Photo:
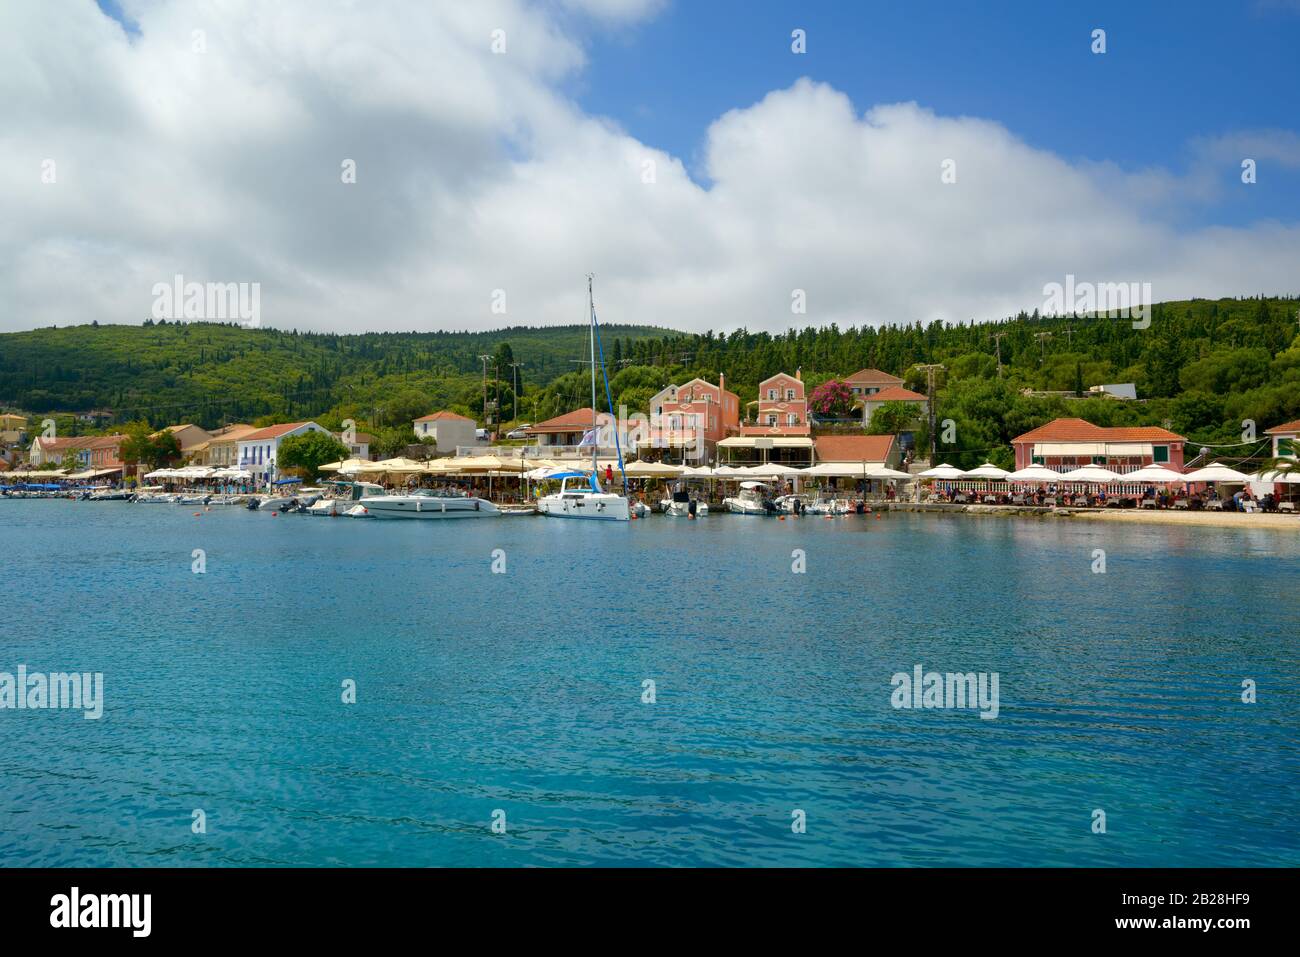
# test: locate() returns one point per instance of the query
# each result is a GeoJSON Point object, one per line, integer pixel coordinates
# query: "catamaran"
{"type": "Point", "coordinates": [580, 494]}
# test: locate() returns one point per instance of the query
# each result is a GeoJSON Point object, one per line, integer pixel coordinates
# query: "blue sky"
{"type": "Point", "coordinates": [1172, 73]}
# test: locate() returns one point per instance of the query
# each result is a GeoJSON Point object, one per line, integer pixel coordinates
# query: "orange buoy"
{"type": "Point", "coordinates": [274, 514]}
{"type": "Point", "coordinates": [197, 514]}
{"type": "Point", "coordinates": [783, 518]}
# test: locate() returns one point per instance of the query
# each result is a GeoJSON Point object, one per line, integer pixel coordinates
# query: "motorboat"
{"type": "Point", "coordinates": [829, 506]}
{"type": "Point", "coordinates": [754, 498]}
{"type": "Point", "coordinates": [640, 509]}
{"type": "Point", "coordinates": [429, 503]}
{"type": "Point", "coordinates": [111, 495]}
{"type": "Point", "coordinates": [343, 497]}
{"type": "Point", "coordinates": [681, 505]}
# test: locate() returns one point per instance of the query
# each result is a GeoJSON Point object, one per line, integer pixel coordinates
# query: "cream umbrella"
{"type": "Point", "coordinates": [653, 470]}
{"type": "Point", "coordinates": [834, 470]}
{"type": "Point", "coordinates": [1035, 474]}
{"type": "Point", "coordinates": [884, 472]}
{"type": "Point", "coordinates": [1217, 472]}
{"type": "Point", "coordinates": [1091, 475]}
{"type": "Point", "coordinates": [1153, 475]}
{"type": "Point", "coordinates": [944, 471]}
{"type": "Point", "coordinates": [986, 471]}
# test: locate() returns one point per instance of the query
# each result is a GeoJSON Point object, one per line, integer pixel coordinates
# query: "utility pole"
{"type": "Point", "coordinates": [1042, 338]}
{"type": "Point", "coordinates": [485, 408]}
{"type": "Point", "coordinates": [997, 342]}
{"type": "Point", "coordinates": [514, 368]}
{"type": "Point", "coordinates": [929, 377]}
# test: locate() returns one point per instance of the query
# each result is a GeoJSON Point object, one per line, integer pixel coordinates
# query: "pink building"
{"type": "Point", "coordinates": [694, 417]}
{"type": "Point", "coordinates": [1065, 444]}
{"type": "Point", "coordinates": [782, 407]}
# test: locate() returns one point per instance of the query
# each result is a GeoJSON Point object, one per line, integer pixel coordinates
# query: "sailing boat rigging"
{"type": "Point", "coordinates": [580, 495]}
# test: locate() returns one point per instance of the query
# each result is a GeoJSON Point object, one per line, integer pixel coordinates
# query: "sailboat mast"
{"type": "Point", "coordinates": [595, 435]}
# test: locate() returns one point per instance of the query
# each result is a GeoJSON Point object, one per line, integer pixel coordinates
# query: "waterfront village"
{"type": "Point", "coordinates": [697, 442]}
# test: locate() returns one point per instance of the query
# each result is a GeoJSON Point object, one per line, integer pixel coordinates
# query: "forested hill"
{"type": "Point", "coordinates": [1202, 367]}
{"type": "Point", "coordinates": [209, 373]}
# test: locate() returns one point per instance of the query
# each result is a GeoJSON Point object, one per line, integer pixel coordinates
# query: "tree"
{"type": "Point", "coordinates": [149, 448]}
{"type": "Point", "coordinates": [1078, 379]}
{"type": "Point", "coordinates": [390, 443]}
{"type": "Point", "coordinates": [309, 451]}
{"type": "Point", "coordinates": [893, 417]}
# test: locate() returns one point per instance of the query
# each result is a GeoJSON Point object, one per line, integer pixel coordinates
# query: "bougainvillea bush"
{"type": "Point", "coordinates": [833, 399]}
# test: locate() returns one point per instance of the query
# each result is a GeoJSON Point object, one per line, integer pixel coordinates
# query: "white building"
{"type": "Point", "coordinates": [257, 450]}
{"type": "Point", "coordinates": [448, 429]}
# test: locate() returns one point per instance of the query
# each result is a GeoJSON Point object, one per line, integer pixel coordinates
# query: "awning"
{"type": "Point", "coordinates": [775, 441]}
{"type": "Point", "coordinates": [1117, 449]}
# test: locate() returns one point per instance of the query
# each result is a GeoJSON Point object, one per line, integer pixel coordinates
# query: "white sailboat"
{"type": "Point", "coordinates": [581, 496]}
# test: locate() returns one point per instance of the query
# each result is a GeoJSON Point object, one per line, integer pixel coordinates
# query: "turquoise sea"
{"type": "Point", "coordinates": [522, 692]}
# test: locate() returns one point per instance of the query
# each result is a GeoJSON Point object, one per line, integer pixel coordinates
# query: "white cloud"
{"type": "Point", "coordinates": [474, 174]}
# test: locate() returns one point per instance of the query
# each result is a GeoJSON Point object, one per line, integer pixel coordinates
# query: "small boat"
{"type": "Point", "coordinates": [193, 498]}
{"type": "Point", "coordinates": [641, 509]}
{"type": "Point", "coordinates": [111, 495]}
{"type": "Point", "coordinates": [681, 505]}
{"type": "Point", "coordinates": [155, 498]}
{"type": "Point", "coordinates": [429, 504]}
{"type": "Point", "coordinates": [754, 498]}
{"type": "Point", "coordinates": [358, 511]}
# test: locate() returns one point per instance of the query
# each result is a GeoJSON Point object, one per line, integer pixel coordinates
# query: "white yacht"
{"type": "Point", "coordinates": [580, 495]}
{"type": "Point", "coordinates": [430, 504]}
{"type": "Point", "coordinates": [754, 498]}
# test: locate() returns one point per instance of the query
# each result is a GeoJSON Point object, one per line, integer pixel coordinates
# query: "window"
{"type": "Point", "coordinates": [792, 419]}
{"type": "Point", "coordinates": [789, 395]}
{"type": "Point", "coordinates": [771, 395]}
{"type": "Point", "coordinates": [1159, 453]}
{"type": "Point", "coordinates": [771, 419]}
{"type": "Point", "coordinates": [1099, 460]}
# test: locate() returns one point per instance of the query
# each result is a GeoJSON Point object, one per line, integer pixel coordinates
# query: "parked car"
{"type": "Point", "coordinates": [519, 432]}
{"type": "Point", "coordinates": [481, 434]}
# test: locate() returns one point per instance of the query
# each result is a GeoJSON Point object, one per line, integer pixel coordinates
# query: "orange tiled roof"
{"type": "Point", "coordinates": [1078, 430]}
{"type": "Point", "coordinates": [574, 421]}
{"type": "Point", "coordinates": [443, 416]}
{"type": "Point", "coordinates": [853, 448]}
{"type": "Point", "coordinates": [273, 432]}
{"type": "Point", "coordinates": [873, 375]}
{"type": "Point", "coordinates": [1286, 428]}
{"type": "Point", "coordinates": [895, 393]}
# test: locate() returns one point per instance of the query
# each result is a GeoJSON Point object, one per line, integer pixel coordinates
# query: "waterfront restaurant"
{"type": "Point", "coordinates": [1065, 444]}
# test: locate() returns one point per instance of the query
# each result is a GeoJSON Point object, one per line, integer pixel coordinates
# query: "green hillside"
{"type": "Point", "coordinates": [1203, 367]}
